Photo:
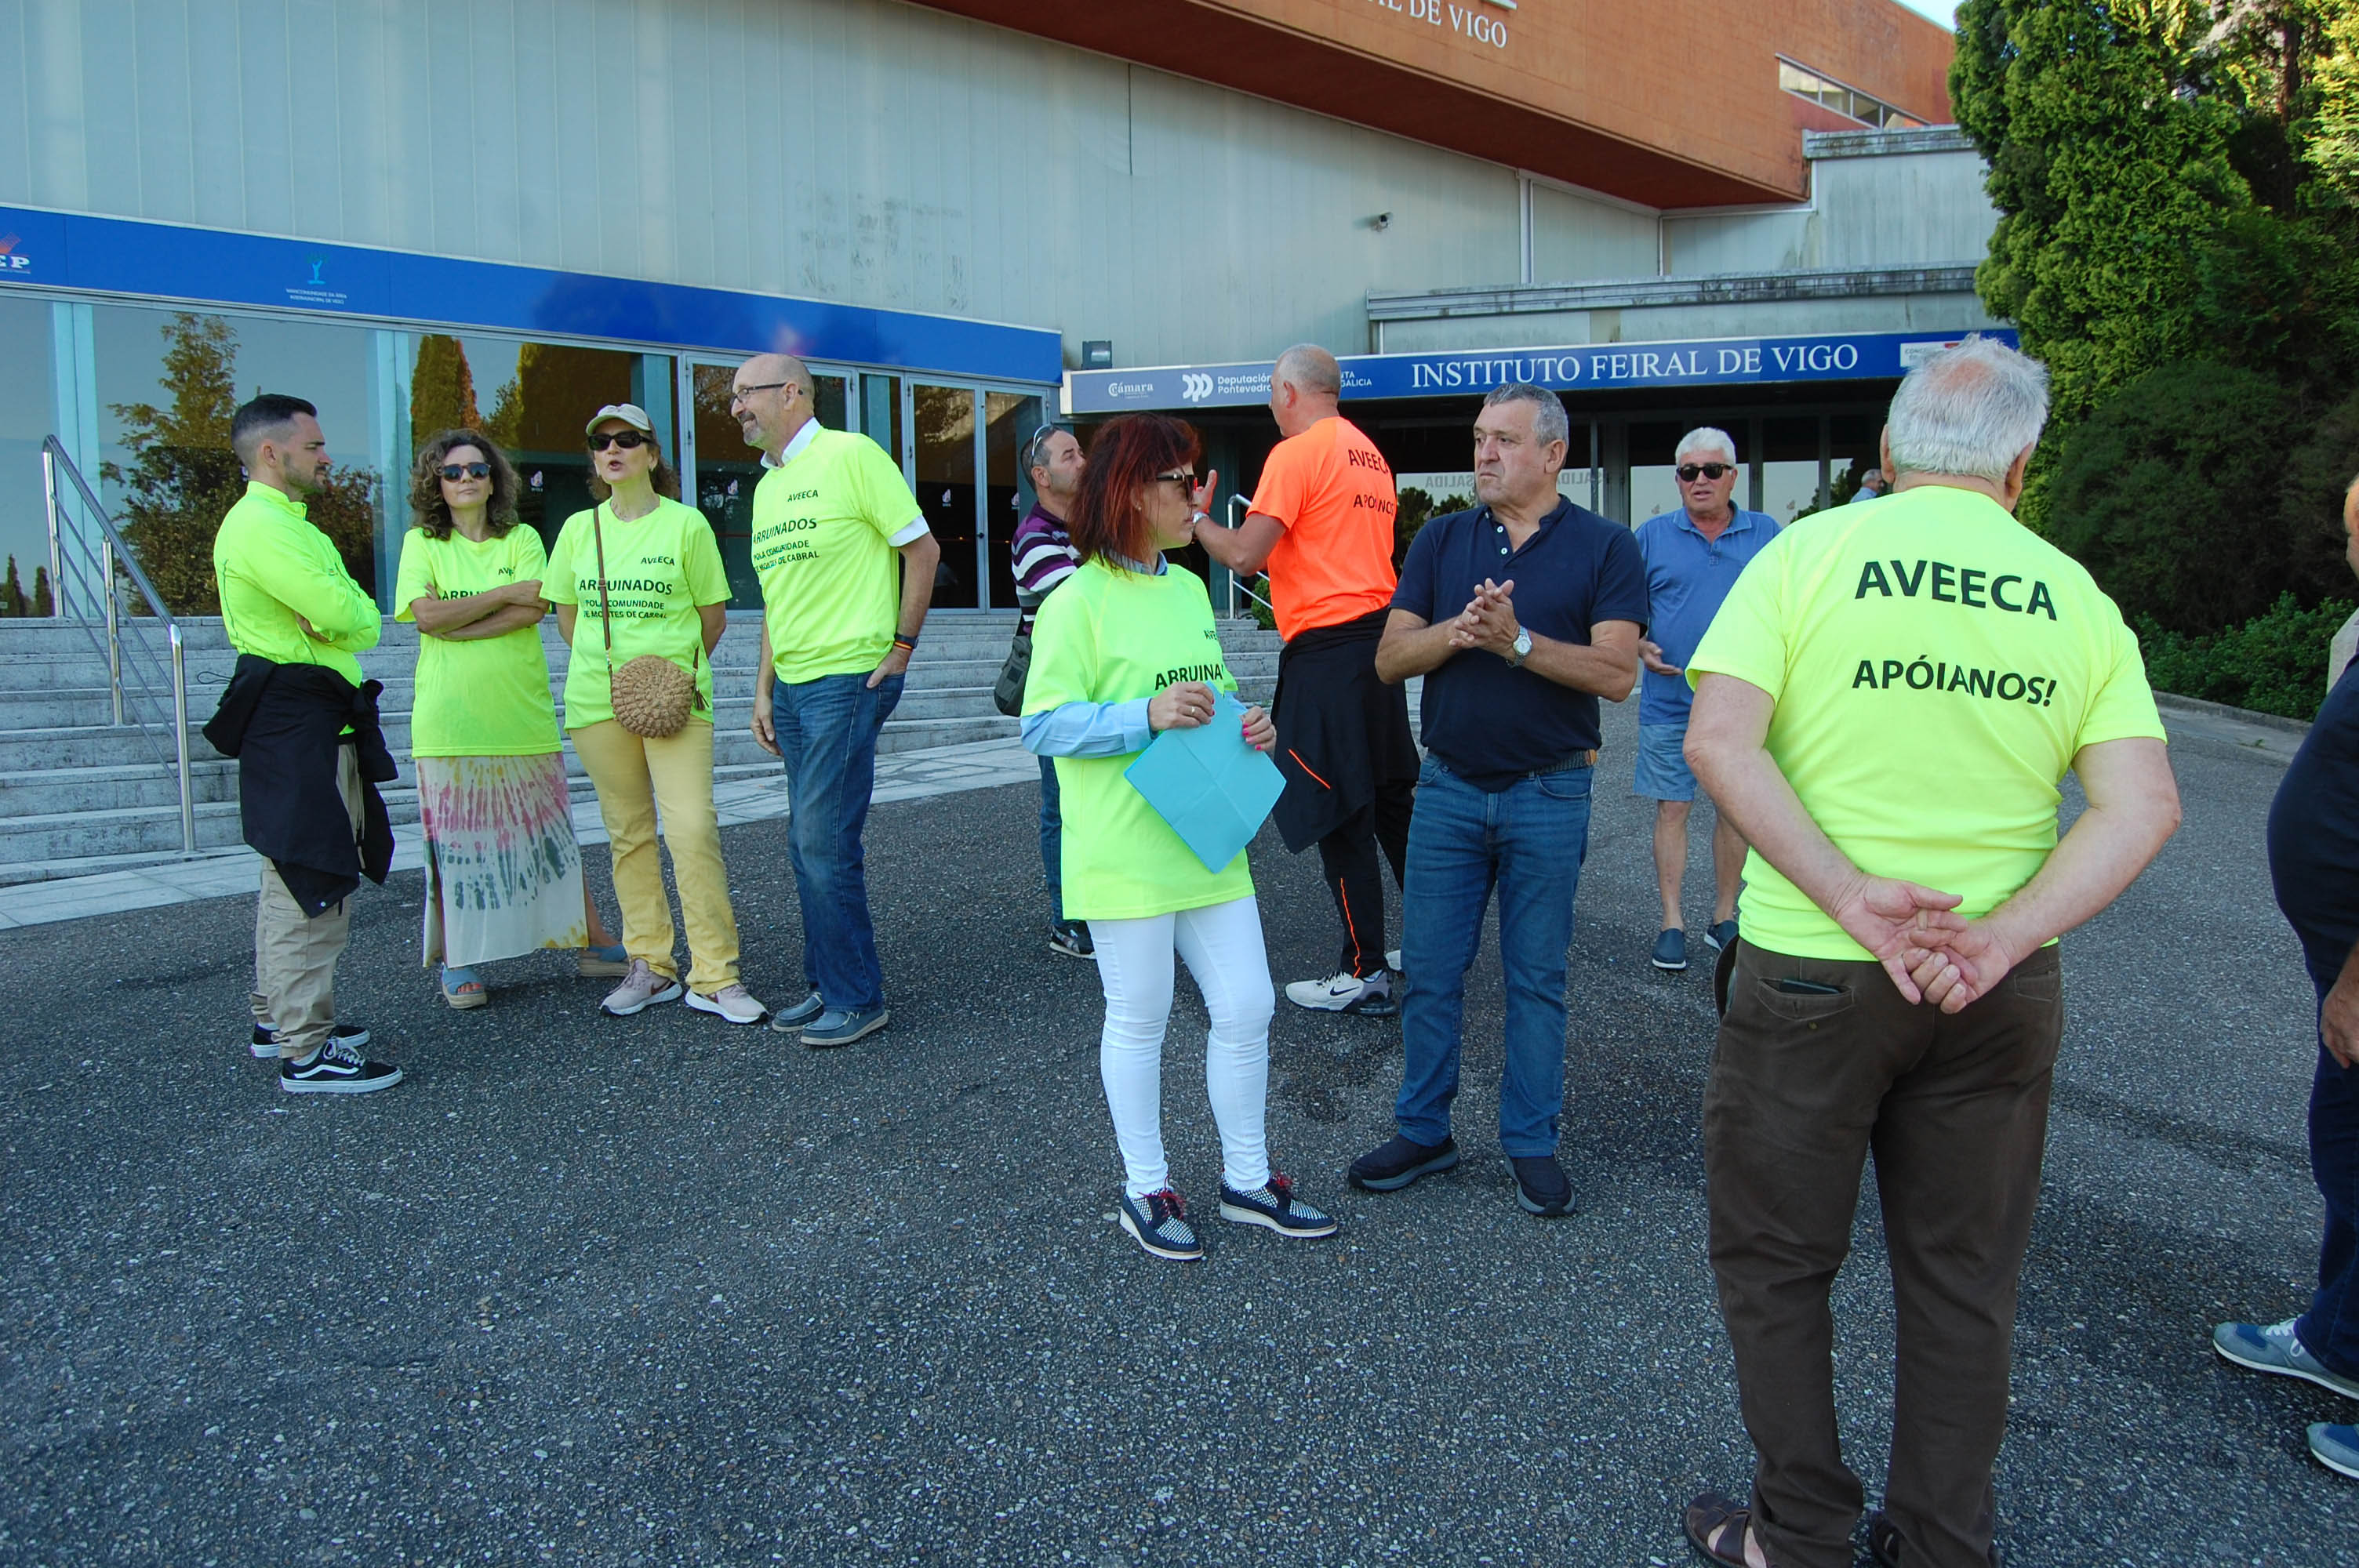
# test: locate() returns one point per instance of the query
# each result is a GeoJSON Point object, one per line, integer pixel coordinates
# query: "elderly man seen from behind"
{"type": "Point", "coordinates": [1885, 705]}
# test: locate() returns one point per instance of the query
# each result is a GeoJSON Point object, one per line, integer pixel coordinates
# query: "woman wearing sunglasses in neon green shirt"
{"type": "Point", "coordinates": [503, 874]}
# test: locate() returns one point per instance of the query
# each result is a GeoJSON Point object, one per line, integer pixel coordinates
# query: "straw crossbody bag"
{"type": "Point", "coordinates": [652, 696]}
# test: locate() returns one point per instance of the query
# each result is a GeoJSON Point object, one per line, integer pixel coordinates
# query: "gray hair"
{"type": "Point", "coordinates": [1311, 368]}
{"type": "Point", "coordinates": [1969, 411]}
{"type": "Point", "coordinates": [1705, 438]}
{"type": "Point", "coordinates": [1548, 422]}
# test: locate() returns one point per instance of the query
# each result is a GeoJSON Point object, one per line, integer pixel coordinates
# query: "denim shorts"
{"type": "Point", "coordinates": [1663, 772]}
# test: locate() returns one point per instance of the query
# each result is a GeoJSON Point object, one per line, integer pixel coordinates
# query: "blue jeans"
{"type": "Point", "coordinates": [827, 732]}
{"type": "Point", "coordinates": [1527, 841]}
{"type": "Point", "coordinates": [2330, 1329]}
{"type": "Point", "coordinates": [1052, 833]}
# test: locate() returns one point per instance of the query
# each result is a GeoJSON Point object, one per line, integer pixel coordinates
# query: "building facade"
{"type": "Point", "coordinates": [419, 211]}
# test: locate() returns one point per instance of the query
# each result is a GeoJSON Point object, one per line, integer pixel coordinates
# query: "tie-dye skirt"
{"type": "Point", "coordinates": [503, 874]}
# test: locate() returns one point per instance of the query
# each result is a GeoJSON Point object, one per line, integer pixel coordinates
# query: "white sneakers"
{"type": "Point", "coordinates": [1370, 997]}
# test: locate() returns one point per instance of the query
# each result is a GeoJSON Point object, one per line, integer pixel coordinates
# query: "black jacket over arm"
{"type": "Point", "coordinates": [283, 724]}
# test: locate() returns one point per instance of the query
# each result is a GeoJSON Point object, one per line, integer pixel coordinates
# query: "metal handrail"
{"type": "Point", "coordinates": [80, 578]}
{"type": "Point", "coordinates": [1235, 588]}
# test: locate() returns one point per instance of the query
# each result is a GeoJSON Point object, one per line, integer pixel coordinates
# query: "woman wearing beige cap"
{"type": "Point", "coordinates": [639, 574]}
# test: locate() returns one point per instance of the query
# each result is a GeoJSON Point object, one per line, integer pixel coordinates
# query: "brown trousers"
{"type": "Point", "coordinates": [294, 954]}
{"type": "Point", "coordinates": [1955, 1109]}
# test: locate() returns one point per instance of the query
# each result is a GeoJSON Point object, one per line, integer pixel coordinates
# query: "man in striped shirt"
{"type": "Point", "coordinates": [1044, 557]}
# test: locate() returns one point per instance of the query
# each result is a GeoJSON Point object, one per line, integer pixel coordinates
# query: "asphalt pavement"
{"type": "Point", "coordinates": [660, 1291]}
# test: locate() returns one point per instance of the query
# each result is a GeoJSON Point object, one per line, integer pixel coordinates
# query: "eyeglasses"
{"type": "Point", "coordinates": [743, 393]}
{"type": "Point", "coordinates": [1183, 478]}
{"type": "Point", "coordinates": [454, 473]}
{"type": "Point", "coordinates": [626, 439]}
{"type": "Point", "coordinates": [1690, 472]}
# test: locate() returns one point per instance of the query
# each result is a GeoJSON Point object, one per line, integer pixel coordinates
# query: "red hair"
{"type": "Point", "coordinates": [1129, 451]}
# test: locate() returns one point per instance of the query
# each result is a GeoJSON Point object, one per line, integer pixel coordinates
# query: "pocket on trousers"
{"type": "Point", "coordinates": [888, 695]}
{"type": "Point", "coordinates": [2041, 986]}
{"type": "Point", "coordinates": [1789, 1007]}
{"type": "Point", "coordinates": [1568, 784]}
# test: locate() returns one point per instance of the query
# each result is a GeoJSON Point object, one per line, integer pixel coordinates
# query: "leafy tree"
{"type": "Point", "coordinates": [442, 389]}
{"type": "Point", "coordinates": [42, 605]}
{"type": "Point", "coordinates": [12, 591]}
{"type": "Point", "coordinates": [2171, 495]}
{"type": "Point", "coordinates": [2178, 184]}
{"type": "Point", "coordinates": [183, 476]}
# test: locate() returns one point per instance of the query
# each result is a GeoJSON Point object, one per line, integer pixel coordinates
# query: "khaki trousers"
{"type": "Point", "coordinates": [634, 777]}
{"type": "Point", "coordinates": [294, 954]}
{"type": "Point", "coordinates": [1955, 1109]}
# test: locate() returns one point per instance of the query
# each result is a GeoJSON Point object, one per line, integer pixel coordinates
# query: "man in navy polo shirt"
{"type": "Point", "coordinates": [1693, 554]}
{"type": "Point", "coordinates": [1520, 614]}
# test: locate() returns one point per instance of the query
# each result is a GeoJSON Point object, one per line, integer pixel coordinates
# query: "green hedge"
{"type": "Point", "coordinates": [2273, 663]}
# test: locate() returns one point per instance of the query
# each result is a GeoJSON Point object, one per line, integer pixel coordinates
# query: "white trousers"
{"type": "Point", "coordinates": [1223, 945]}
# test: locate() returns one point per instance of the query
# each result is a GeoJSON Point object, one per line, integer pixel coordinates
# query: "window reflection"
{"type": "Point", "coordinates": [945, 487]}
{"type": "Point", "coordinates": [27, 415]}
{"type": "Point", "coordinates": [167, 385]}
{"type": "Point", "coordinates": [1009, 419]}
{"type": "Point", "coordinates": [533, 399]}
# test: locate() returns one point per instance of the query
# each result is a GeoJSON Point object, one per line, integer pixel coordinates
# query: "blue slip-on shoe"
{"type": "Point", "coordinates": [1722, 933]}
{"type": "Point", "coordinates": [1541, 1187]}
{"type": "Point", "coordinates": [1670, 950]}
{"type": "Point", "coordinates": [2274, 1348]}
{"type": "Point", "coordinates": [1400, 1161]}
{"type": "Point", "coordinates": [791, 1020]}
{"type": "Point", "coordinates": [841, 1026]}
{"type": "Point", "coordinates": [2336, 1447]}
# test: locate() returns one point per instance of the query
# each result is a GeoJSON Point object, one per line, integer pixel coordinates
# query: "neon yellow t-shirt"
{"type": "Point", "coordinates": [482, 697]}
{"type": "Point", "coordinates": [823, 524]}
{"type": "Point", "coordinates": [272, 565]}
{"type": "Point", "coordinates": [659, 567]}
{"type": "Point", "coordinates": [1109, 635]}
{"type": "Point", "coordinates": [1936, 666]}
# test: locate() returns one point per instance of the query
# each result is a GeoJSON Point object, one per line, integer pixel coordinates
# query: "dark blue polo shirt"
{"type": "Point", "coordinates": [1490, 723]}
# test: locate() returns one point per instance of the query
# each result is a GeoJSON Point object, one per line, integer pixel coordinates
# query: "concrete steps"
{"type": "Point", "coordinates": [80, 796]}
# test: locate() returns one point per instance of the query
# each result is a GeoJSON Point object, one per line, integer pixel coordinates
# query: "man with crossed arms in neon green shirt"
{"type": "Point", "coordinates": [827, 518]}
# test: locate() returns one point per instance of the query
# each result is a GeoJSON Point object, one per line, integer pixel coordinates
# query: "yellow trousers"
{"type": "Point", "coordinates": [636, 777]}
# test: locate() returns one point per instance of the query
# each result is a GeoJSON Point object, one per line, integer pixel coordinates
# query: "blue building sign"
{"type": "Point", "coordinates": [1702, 362]}
{"type": "Point", "coordinates": [214, 267]}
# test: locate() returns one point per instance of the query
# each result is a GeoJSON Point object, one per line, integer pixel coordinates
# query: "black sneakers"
{"type": "Point", "coordinates": [1274, 1207]}
{"type": "Point", "coordinates": [1399, 1163]}
{"type": "Point", "coordinates": [1071, 938]}
{"type": "Point", "coordinates": [265, 1038]}
{"type": "Point", "coordinates": [1540, 1186]}
{"type": "Point", "coordinates": [1158, 1222]}
{"type": "Point", "coordinates": [335, 1069]}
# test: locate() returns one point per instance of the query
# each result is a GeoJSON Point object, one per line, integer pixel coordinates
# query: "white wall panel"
{"type": "Point", "coordinates": [855, 150]}
{"type": "Point", "coordinates": [1578, 241]}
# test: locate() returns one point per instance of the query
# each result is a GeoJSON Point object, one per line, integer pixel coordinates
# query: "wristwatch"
{"type": "Point", "coordinates": [1198, 519]}
{"type": "Point", "coordinates": [1523, 649]}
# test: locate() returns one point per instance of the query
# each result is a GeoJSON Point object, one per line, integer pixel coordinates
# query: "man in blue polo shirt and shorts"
{"type": "Point", "coordinates": [1520, 614]}
{"type": "Point", "coordinates": [1693, 556]}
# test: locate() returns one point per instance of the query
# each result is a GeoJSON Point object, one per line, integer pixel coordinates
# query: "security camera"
{"type": "Point", "coordinates": [1381, 222]}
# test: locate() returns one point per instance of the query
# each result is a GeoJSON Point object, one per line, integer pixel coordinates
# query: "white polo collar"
{"type": "Point", "coordinates": [802, 438]}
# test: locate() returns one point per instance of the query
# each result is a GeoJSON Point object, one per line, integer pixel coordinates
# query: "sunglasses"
{"type": "Point", "coordinates": [1690, 472]}
{"type": "Point", "coordinates": [1038, 444]}
{"type": "Point", "coordinates": [626, 439]}
{"type": "Point", "coordinates": [1183, 478]}
{"type": "Point", "coordinates": [454, 473]}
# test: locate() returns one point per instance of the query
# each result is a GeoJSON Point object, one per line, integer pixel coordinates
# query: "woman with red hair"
{"type": "Point", "coordinates": [1125, 649]}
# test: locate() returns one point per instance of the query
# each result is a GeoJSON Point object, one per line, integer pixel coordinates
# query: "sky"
{"type": "Point", "coordinates": [1945, 14]}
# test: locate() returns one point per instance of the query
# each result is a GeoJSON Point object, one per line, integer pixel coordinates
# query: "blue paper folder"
{"type": "Point", "coordinates": [1212, 788]}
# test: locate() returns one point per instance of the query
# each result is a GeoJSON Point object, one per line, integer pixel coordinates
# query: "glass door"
{"type": "Point", "coordinates": [944, 472]}
{"type": "Point", "coordinates": [1009, 418]}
